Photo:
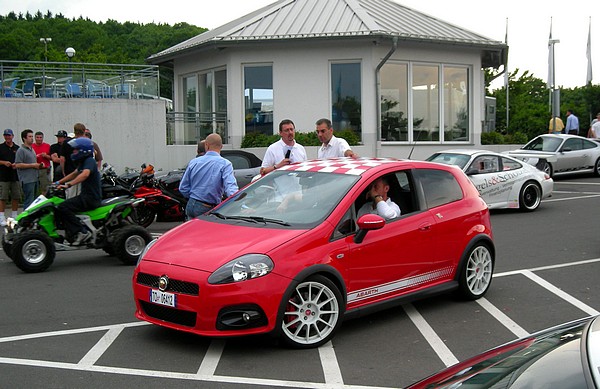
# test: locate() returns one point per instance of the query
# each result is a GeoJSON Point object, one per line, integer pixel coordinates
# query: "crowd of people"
{"type": "Point", "coordinates": [210, 176]}
{"type": "Point", "coordinates": [73, 163]}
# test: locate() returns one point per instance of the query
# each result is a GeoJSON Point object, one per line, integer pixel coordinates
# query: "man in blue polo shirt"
{"type": "Point", "coordinates": [207, 178]}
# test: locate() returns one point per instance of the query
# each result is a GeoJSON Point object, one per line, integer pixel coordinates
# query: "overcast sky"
{"type": "Point", "coordinates": [528, 24]}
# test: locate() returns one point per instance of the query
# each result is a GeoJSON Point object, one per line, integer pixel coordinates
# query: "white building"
{"type": "Point", "coordinates": [391, 74]}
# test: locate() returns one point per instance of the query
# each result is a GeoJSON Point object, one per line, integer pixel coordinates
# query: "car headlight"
{"type": "Point", "coordinates": [150, 244]}
{"type": "Point", "coordinates": [244, 268]}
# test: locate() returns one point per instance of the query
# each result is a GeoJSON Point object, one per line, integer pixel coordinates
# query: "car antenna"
{"type": "Point", "coordinates": [414, 144]}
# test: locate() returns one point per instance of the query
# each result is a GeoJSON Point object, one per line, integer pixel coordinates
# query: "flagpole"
{"type": "Point", "coordinates": [506, 76]}
{"type": "Point", "coordinates": [551, 76]}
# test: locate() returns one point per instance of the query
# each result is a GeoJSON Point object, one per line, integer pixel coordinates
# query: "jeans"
{"type": "Point", "coordinates": [66, 213]}
{"type": "Point", "coordinates": [29, 191]}
{"type": "Point", "coordinates": [195, 208]}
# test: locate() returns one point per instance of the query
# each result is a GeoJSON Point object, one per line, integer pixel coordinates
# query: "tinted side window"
{"type": "Point", "coordinates": [238, 161]}
{"type": "Point", "coordinates": [589, 144]}
{"type": "Point", "coordinates": [573, 144]}
{"type": "Point", "coordinates": [439, 187]}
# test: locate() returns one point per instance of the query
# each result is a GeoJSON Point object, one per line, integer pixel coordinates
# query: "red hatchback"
{"type": "Point", "coordinates": [293, 253]}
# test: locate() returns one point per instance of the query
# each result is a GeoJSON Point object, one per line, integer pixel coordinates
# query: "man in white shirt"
{"type": "Point", "coordinates": [285, 151]}
{"type": "Point", "coordinates": [595, 130]}
{"type": "Point", "coordinates": [380, 203]}
{"type": "Point", "coordinates": [332, 147]}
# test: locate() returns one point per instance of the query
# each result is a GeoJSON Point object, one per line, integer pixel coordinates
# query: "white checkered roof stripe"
{"type": "Point", "coordinates": [353, 166]}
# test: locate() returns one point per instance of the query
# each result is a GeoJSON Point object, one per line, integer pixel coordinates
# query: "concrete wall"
{"type": "Point", "coordinates": [129, 132]}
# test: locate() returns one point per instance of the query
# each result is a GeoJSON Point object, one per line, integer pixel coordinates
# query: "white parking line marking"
{"type": "Point", "coordinates": [331, 368]}
{"type": "Point", "coordinates": [182, 376]}
{"type": "Point", "coordinates": [502, 318]}
{"type": "Point", "coordinates": [211, 359]}
{"type": "Point", "coordinates": [72, 332]}
{"type": "Point", "coordinates": [100, 348]}
{"type": "Point", "coordinates": [572, 198]}
{"type": "Point", "coordinates": [575, 183]}
{"type": "Point", "coordinates": [430, 335]}
{"type": "Point", "coordinates": [548, 267]}
{"type": "Point", "coordinates": [560, 293]}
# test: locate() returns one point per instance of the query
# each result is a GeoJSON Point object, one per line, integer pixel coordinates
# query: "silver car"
{"type": "Point", "coordinates": [555, 154]}
{"type": "Point", "coordinates": [502, 181]}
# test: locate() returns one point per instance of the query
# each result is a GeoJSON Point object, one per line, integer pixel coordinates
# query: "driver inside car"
{"type": "Point", "coordinates": [86, 174]}
{"type": "Point", "coordinates": [379, 203]}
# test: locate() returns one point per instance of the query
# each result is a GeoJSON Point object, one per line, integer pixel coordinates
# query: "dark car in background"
{"type": "Point", "coordinates": [245, 166]}
{"type": "Point", "coordinates": [566, 356]}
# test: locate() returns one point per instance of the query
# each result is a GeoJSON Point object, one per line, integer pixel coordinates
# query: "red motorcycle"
{"type": "Point", "coordinates": [160, 202]}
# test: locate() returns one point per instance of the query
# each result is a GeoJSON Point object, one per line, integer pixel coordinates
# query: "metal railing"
{"type": "Point", "coordinates": [29, 79]}
{"type": "Point", "coordinates": [186, 128]}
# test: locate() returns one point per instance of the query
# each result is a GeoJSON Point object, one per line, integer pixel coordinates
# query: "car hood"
{"type": "Point", "coordinates": [205, 245]}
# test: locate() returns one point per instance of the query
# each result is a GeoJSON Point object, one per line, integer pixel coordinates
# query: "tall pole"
{"type": "Point", "coordinates": [506, 78]}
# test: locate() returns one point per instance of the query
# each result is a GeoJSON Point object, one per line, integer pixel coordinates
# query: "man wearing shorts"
{"type": "Point", "coordinates": [9, 181]}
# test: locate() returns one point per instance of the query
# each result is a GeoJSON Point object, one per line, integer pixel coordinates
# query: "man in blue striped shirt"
{"type": "Point", "coordinates": [206, 179]}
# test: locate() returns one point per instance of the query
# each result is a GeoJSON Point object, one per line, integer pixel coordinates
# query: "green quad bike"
{"type": "Point", "coordinates": [32, 239]}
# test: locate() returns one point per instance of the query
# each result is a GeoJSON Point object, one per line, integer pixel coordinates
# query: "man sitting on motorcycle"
{"type": "Point", "coordinates": [88, 176]}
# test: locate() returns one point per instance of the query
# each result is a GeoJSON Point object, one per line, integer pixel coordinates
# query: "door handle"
{"type": "Point", "coordinates": [425, 227]}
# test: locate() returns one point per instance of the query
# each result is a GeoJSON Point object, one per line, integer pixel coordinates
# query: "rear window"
{"type": "Point", "coordinates": [439, 186]}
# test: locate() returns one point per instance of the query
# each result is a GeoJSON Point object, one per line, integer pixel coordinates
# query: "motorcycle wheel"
{"type": "Point", "coordinates": [129, 243]}
{"type": "Point", "coordinates": [143, 216]}
{"type": "Point", "coordinates": [33, 252]}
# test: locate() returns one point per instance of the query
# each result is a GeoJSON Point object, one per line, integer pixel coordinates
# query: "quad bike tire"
{"type": "Point", "coordinates": [129, 242]}
{"type": "Point", "coordinates": [33, 251]}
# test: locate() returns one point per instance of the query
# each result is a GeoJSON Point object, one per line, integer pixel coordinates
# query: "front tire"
{"type": "Point", "coordinates": [129, 243]}
{"type": "Point", "coordinates": [545, 166]}
{"type": "Point", "coordinates": [530, 196]}
{"type": "Point", "coordinates": [143, 215]}
{"type": "Point", "coordinates": [476, 272]}
{"type": "Point", "coordinates": [33, 252]}
{"type": "Point", "coordinates": [312, 313]}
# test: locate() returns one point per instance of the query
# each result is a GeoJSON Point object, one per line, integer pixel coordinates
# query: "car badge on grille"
{"type": "Point", "coordinates": [163, 283]}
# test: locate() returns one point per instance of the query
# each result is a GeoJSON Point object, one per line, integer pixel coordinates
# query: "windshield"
{"type": "Point", "coordinates": [459, 160]}
{"type": "Point", "coordinates": [543, 144]}
{"type": "Point", "coordinates": [294, 198]}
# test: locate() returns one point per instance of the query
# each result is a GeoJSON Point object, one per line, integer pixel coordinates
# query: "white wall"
{"type": "Point", "coordinates": [129, 132]}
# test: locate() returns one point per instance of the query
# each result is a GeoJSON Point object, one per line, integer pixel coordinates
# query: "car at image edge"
{"type": "Point", "coordinates": [502, 181]}
{"type": "Point", "coordinates": [287, 255]}
{"type": "Point", "coordinates": [566, 356]}
{"type": "Point", "coordinates": [560, 153]}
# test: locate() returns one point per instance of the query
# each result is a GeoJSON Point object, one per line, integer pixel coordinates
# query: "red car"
{"type": "Point", "coordinates": [288, 255]}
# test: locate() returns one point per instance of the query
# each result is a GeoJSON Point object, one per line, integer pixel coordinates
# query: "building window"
{"type": "Point", "coordinates": [426, 97]}
{"type": "Point", "coordinates": [456, 104]}
{"type": "Point", "coordinates": [346, 97]}
{"type": "Point", "coordinates": [204, 109]}
{"type": "Point", "coordinates": [258, 99]}
{"type": "Point", "coordinates": [394, 102]}
{"type": "Point", "coordinates": [419, 113]}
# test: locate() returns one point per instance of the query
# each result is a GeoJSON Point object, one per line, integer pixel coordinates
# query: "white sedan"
{"type": "Point", "coordinates": [502, 181]}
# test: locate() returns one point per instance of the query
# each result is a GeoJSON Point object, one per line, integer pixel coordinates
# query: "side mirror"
{"type": "Point", "coordinates": [367, 223]}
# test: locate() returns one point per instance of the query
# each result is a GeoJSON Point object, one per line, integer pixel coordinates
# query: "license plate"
{"type": "Point", "coordinates": [163, 298]}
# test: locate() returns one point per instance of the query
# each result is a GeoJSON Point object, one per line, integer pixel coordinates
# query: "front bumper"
{"type": "Point", "coordinates": [243, 308]}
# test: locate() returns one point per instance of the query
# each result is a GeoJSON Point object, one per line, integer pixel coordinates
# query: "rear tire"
{"type": "Point", "coordinates": [530, 196]}
{"type": "Point", "coordinates": [33, 252]}
{"type": "Point", "coordinates": [129, 243]}
{"type": "Point", "coordinates": [597, 168]}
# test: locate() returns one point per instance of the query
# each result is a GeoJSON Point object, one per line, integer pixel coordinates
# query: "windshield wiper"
{"type": "Point", "coordinates": [252, 219]}
{"type": "Point", "coordinates": [267, 220]}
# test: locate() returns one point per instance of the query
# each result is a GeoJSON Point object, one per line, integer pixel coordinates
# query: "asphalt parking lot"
{"type": "Point", "coordinates": [73, 325]}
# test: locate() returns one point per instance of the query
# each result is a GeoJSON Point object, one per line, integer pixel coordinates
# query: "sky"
{"type": "Point", "coordinates": [528, 24]}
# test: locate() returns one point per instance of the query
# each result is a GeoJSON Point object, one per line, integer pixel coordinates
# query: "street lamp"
{"type": "Point", "coordinates": [45, 42]}
{"type": "Point", "coordinates": [70, 52]}
{"type": "Point", "coordinates": [554, 94]}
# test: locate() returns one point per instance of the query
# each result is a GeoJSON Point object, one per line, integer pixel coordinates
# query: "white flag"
{"type": "Point", "coordinates": [588, 54]}
{"type": "Point", "coordinates": [550, 59]}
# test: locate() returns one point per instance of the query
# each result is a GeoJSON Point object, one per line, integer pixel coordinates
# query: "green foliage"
{"type": "Point", "coordinates": [529, 110]}
{"type": "Point", "coordinates": [109, 42]}
{"type": "Point", "coordinates": [492, 138]}
{"type": "Point", "coordinates": [255, 139]}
